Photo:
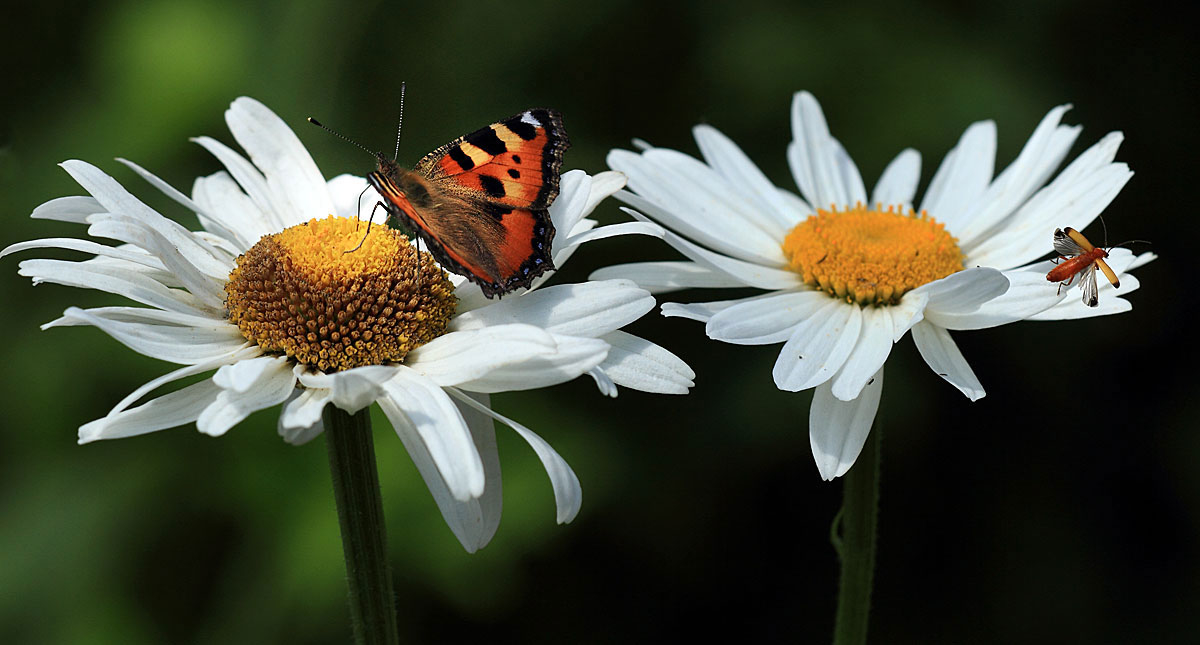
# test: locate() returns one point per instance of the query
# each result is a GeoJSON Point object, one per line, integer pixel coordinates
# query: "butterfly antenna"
{"type": "Point", "coordinates": [343, 137]}
{"type": "Point", "coordinates": [399, 121]}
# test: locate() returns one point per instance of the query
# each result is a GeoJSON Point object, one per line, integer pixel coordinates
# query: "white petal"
{"type": "Point", "coordinates": [812, 155]}
{"type": "Point", "coordinates": [1037, 160]}
{"type": "Point", "coordinates": [164, 187]}
{"type": "Point", "coordinates": [963, 176]}
{"type": "Point", "coordinates": [177, 344]}
{"type": "Point", "coordinates": [1028, 293]}
{"type": "Point", "coordinates": [574, 187]}
{"type": "Point", "coordinates": [301, 420]}
{"type": "Point", "coordinates": [249, 178]}
{"type": "Point", "coordinates": [462, 356]}
{"type": "Point", "coordinates": [86, 246]}
{"type": "Point", "coordinates": [167, 411]}
{"type": "Point", "coordinates": [440, 429]}
{"type": "Point", "coordinates": [568, 495]}
{"type": "Point", "coordinates": [473, 521]}
{"type": "Point", "coordinates": [1073, 308]}
{"type": "Point", "coordinates": [662, 277]}
{"type": "Point", "coordinates": [942, 355]}
{"type": "Point", "coordinates": [837, 429]}
{"type": "Point", "coordinates": [144, 315]}
{"type": "Point", "coordinates": [963, 291]}
{"type": "Point", "coordinates": [605, 384]}
{"type": "Point", "coordinates": [271, 386]}
{"type": "Point", "coordinates": [869, 355]}
{"type": "Point", "coordinates": [229, 209]}
{"type": "Point", "coordinates": [353, 389]}
{"type": "Point", "coordinates": [640, 364]}
{"type": "Point", "coordinates": [613, 230]}
{"type": "Point", "coordinates": [682, 205]}
{"type": "Point", "coordinates": [243, 375]}
{"type": "Point", "coordinates": [702, 311]}
{"type": "Point", "coordinates": [588, 309]}
{"type": "Point", "coordinates": [208, 289]}
{"type": "Point", "coordinates": [117, 200]}
{"type": "Point", "coordinates": [818, 347]}
{"type": "Point", "coordinates": [243, 353]}
{"type": "Point", "coordinates": [751, 275]}
{"type": "Point", "coordinates": [773, 214]}
{"type": "Point", "coordinates": [856, 193]}
{"type": "Point", "coordinates": [573, 357]}
{"type": "Point", "coordinates": [909, 312]}
{"type": "Point", "coordinates": [898, 184]}
{"type": "Point", "coordinates": [604, 185]}
{"type": "Point", "coordinates": [1027, 235]}
{"type": "Point", "coordinates": [1073, 199]}
{"type": "Point", "coordinates": [68, 209]}
{"type": "Point", "coordinates": [765, 319]}
{"type": "Point", "coordinates": [296, 185]}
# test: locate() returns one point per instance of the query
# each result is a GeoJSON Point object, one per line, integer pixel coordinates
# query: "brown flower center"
{"type": "Point", "coordinates": [305, 293]}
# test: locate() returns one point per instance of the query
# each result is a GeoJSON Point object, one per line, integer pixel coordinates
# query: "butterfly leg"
{"type": "Point", "coordinates": [359, 209]}
{"type": "Point", "coordinates": [369, 222]}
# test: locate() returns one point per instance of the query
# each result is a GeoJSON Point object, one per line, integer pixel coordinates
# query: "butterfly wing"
{"type": "Point", "coordinates": [498, 183]}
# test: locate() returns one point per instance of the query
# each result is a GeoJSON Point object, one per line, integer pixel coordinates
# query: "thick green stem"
{"type": "Point", "coordinates": [855, 543]}
{"type": "Point", "coordinates": [360, 514]}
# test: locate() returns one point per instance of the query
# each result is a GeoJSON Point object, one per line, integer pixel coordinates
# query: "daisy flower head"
{"type": "Point", "coordinates": [847, 274]}
{"type": "Point", "coordinates": [265, 301]}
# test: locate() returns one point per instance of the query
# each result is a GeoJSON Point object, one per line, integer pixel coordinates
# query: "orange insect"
{"type": "Point", "coordinates": [1080, 259]}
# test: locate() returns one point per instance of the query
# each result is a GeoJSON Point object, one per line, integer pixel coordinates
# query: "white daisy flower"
{"type": "Point", "coordinates": [847, 276]}
{"type": "Point", "coordinates": [265, 296]}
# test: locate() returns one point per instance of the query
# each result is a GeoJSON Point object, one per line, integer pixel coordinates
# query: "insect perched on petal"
{"type": "Point", "coordinates": [1080, 259]}
{"type": "Point", "coordinates": [481, 202]}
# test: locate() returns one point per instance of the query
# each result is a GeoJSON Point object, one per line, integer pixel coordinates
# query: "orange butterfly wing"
{"type": "Point", "coordinates": [481, 201]}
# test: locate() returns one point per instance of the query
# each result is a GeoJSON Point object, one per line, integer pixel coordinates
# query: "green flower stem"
{"type": "Point", "coordinates": [360, 514]}
{"type": "Point", "coordinates": [855, 543]}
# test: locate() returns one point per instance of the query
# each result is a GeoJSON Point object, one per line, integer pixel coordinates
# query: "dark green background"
{"type": "Point", "coordinates": [1061, 507]}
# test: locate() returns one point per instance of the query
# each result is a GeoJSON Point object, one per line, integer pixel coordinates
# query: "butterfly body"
{"type": "Point", "coordinates": [1080, 259]}
{"type": "Point", "coordinates": [481, 202]}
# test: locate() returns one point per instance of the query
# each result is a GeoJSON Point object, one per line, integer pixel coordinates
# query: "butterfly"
{"type": "Point", "coordinates": [1079, 258]}
{"type": "Point", "coordinates": [481, 202]}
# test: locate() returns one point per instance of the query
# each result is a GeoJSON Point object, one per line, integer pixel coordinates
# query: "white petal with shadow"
{"type": "Point", "coordinates": [765, 319]}
{"type": "Point", "coordinates": [943, 357]}
{"type": "Point", "coordinates": [837, 429]}
{"type": "Point", "coordinates": [642, 365]}
{"type": "Point", "coordinates": [867, 358]}
{"type": "Point", "coordinates": [463, 356]}
{"type": "Point", "coordinates": [667, 276]}
{"type": "Point", "coordinates": [898, 183]}
{"type": "Point", "coordinates": [271, 386]}
{"type": "Point", "coordinates": [818, 347]}
{"type": "Point", "coordinates": [440, 429]}
{"type": "Point", "coordinates": [568, 495]}
{"type": "Point", "coordinates": [167, 411]}
{"type": "Point", "coordinates": [296, 185]}
{"type": "Point", "coordinates": [586, 309]}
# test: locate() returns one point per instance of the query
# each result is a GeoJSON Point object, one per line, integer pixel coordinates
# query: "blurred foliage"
{"type": "Point", "coordinates": [1061, 507]}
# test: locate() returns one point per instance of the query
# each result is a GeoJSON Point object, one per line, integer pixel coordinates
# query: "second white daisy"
{"type": "Point", "coordinates": [847, 276]}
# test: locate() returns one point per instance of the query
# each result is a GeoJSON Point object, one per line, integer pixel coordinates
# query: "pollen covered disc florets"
{"type": "Point", "coordinates": [871, 256]}
{"type": "Point", "coordinates": [308, 293]}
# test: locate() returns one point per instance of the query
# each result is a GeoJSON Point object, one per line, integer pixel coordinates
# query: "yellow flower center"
{"type": "Point", "coordinates": [305, 293]}
{"type": "Point", "coordinates": [871, 256]}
